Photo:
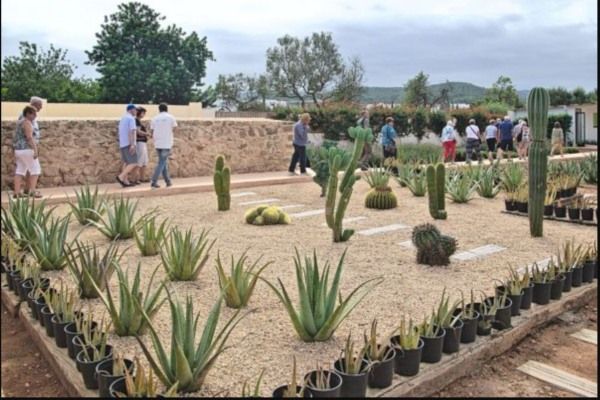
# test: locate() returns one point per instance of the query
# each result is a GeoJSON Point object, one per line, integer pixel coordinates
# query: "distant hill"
{"type": "Point", "coordinates": [460, 92]}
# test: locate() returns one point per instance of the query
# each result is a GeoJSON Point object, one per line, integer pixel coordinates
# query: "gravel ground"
{"type": "Point", "coordinates": [266, 338]}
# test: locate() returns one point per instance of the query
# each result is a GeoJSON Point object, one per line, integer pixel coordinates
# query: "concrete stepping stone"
{"type": "Point", "coordinates": [487, 250]}
{"type": "Point", "coordinates": [560, 378]}
{"type": "Point", "coordinates": [408, 244]}
{"type": "Point", "coordinates": [308, 213]}
{"type": "Point", "coordinates": [291, 206]}
{"type": "Point", "coordinates": [242, 194]}
{"type": "Point", "coordinates": [587, 335]}
{"type": "Point", "coordinates": [263, 201]}
{"type": "Point", "coordinates": [464, 256]}
{"type": "Point", "coordinates": [382, 229]}
{"type": "Point", "coordinates": [350, 220]}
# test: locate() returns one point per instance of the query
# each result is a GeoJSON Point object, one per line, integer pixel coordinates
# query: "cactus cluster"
{"type": "Point", "coordinates": [433, 248]}
{"type": "Point", "coordinates": [436, 181]}
{"type": "Point", "coordinates": [266, 215]}
{"type": "Point", "coordinates": [222, 180]}
{"type": "Point", "coordinates": [335, 210]}
{"type": "Point", "coordinates": [537, 113]}
{"type": "Point", "coordinates": [380, 196]}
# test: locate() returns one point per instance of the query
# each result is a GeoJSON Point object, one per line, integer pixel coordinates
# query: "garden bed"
{"type": "Point", "coordinates": [265, 338]}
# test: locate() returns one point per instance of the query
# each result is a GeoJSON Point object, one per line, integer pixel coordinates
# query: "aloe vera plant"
{"type": "Point", "coordinates": [460, 188]}
{"type": "Point", "coordinates": [127, 319]}
{"type": "Point", "coordinates": [21, 218]}
{"type": "Point", "coordinates": [142, 385]}
{"type": "Point", "coordinates": [94, 338]}
{"type": "Point", "coordinates": [120, 222]}
{"type": "Point", "coordinates": [445, 314]}
{"type": "Point", "coordinates": [375, 351]}
{"type": "Point", "coordinates": [467, 310]}
{"type": "Point", "coordinates": [63, 303]}
{"type": "Point", "coordinates": [539, 275]}
{"type": "Point", "coordinates": [429, 328]}
{"type": "Point", "coordinates": [184, 256]}
{"type": "Point", "coordinates": [417, 183]}
{"type": "Point", "coordinates": [90, 269]}
{"type": "Point", "coordinates": [512, 177]}
{"type": "Point", "coordinates": [256, 392]}
{"type": "Point", "coordinates": [89, 206]}
{"type": "Point", "coordinates": [408, 334]}
{"type": "Point", "coordinates": [515, 282]}
{"type": "Point", "coordinates": [190, 360]}
{"type": "Point", "coordinates": [486, 183]}
{"type": "Point", "coordinates": [320, 379]}
{"type": "Point", "coordinates": [319, 313]}
{"type": "Point", "coordinates": [50, 242]}
{"type": "Point", "coordinates": [149, 237]}
{"type": "Point", "coordinates": [238, 286]}
{"type": "Point", "coordinates": [352, 362]}
{"type": "Point", "coordinates": [291, 390]}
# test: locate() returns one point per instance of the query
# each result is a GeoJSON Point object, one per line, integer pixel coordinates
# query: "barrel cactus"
{"type": "Point", "coordinates": [537, 113]}
{"type": "Point", "coordinates": [380, 196]}
{"type": "Point", "coordinates": [266, 215]}
{"type": "Point", "coordinates": [436, 183]}
{"type": "Point", "coordinates": [433, 248]}
{"type": "Point", "coordinates": [222, 181]}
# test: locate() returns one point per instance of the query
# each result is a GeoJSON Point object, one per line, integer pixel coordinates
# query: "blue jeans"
{"type": "Point", "coordinates": [162, 167]}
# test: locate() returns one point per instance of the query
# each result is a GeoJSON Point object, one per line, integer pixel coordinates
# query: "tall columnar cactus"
{"type": "Point", "coordinates": [334, 212]}
{"type": "Point", "coordinates": [436, 184]}
{"type": "Point", "coordinates": [537, 113]}
{"type": "Point", "coordinates": [222, 179]}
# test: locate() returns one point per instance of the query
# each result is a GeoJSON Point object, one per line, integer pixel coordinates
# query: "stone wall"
{"type": "Point", "coordinates": [78, 151]}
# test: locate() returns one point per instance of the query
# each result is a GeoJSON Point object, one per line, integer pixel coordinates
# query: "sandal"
{"type": "Point", "coordinates": [36, 194]}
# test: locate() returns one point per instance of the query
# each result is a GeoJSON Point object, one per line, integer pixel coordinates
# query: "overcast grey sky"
{"type": "Point", "coordinates": [535, 42]}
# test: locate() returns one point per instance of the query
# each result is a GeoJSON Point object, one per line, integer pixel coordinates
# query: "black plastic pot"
{"type": "Point", "coordinates": [503, 315]}
{"type": "Point", "coordinates": [522, 207]}
{"type": "Point", "coordinates": [60, 336]}
{"type": "Point", "coordinates": [88, 368]}
{"type": "Point", "coordinates": [574, 213]}
{"type": "Point", "coordinates": [335, 385]}
{"type": "Point", "coordinates": [577, 276]}
{"type": "Point", "coordinates": [24, 287]}
{"type": "Point", "coordinates": [548, 210]}
{"type": "Point", "coordinates": [277, 393]}
{"type": "Point", "coordinates": [104, 373]}
{"type": "Point", "coordinates": [71, 332]}
{"type": "Point", "coordinates": [39, 303]}
{"type": "Point", "coordinates": [452, 337]}
{"type": "Point", "coordinates": [560, 212]}
{"type": "Point", "coordinates": [587, 214]}
{"type": "Point", "coordinates": [407, 362]}
{"type": "Point", "coordinates": [568, 280]}
{"type": "Point", "coordinates": [118, 386]}
{"type": "Point", "coordinates": [589, 268]}
{"type": "Point", "coordinates": [515, 308]}
{"type": "Point", "coordinates": [432, 348]}
{"type": "Point", "coordinates": [469, 330]}
{"type": "Point", "coordinates": [484, 330]}
{"type": "Point", "coordinates": [47, 317]}
{"type": "Point", "coordinates": [541, 293]}
{"type": "Point", "coordinates": [381, 373]}
{"type": "Point", "coordinates": [31, 304]}
{"type": "Point", "coordinates": [510, 205]}
{"type": "Point", "coordinates": [11, 278]}
{"type": "Point", "coordinates": [527, 297]}
{"type": "Point", "coordinates": [353, 385]}
{"type": "Point", "coordinates": [557, 287]}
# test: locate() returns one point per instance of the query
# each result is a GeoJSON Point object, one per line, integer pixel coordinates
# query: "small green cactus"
{"type": "Point", "coordinates": [436, 181]}
{"type": "Point", "coordinates": [222, 181]}
{"type": "Point", "coordinates": [433, 248]}
{"type": "Point", "coordinates": [266, 215]}
{"type": "Point", "coordinates": [381, 199]}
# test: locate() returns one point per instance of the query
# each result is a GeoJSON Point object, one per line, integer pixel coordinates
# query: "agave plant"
{"type": "Point", "coordinates": [460, 188]}
{"type": "Point", "coordinates": [142, 385]}
{"type": "Point", "coordinates": [183, 257]}
{"type": "Point", "coordinates": [238, 286]}
{"type": "Point", "coordinates": [90, 269]}
{"type": "Point", "coordinates": [486, 183]}
{"type": "Point", "coordinates": [320, 313]}
{"type": "Point", "coordinates": [127, 319]}
{"type": "Point", "coordinates": [149, 237]}
{"type": "Point", "coordinates": [49, 245]}
{"type": "Point", "coordinates": [256, 392]}
{"type": "Point", "coordinates": [89, 206]}
{"type": "Point", "coordinates": [417, 183]}
{"type": "Point", "coordinates": [190, 360]}
{"type": "Point", "coordinates": [120, 222]}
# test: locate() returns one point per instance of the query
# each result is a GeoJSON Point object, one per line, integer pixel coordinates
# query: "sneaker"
{"type": "Point", "coordinates": [154, 185]}
{"type": "Point", "coordinates": [169, 184]}
{"type": "Point", "coordinates": [291, 173]}
{"type": "Point", "coordinates": [304, 174]}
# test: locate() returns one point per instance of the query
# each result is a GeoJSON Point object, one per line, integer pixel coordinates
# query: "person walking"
{"type": "Point", "coordinates": [505, 133]}
{"type": "Point", "coordinates": [491, 133]}
{"type": "Point", "coordinates": [388, 139]}
{"type": "Point", "coordinates": [523, 141]}
{"type": "Point", "coordinates": [473, 141]}
{"type": "Point", "coordinates": [161, 130]}
{"type": "Point", "coordinates": [363, 122]}
{"type": "Point", "coordinates": [127, 134]}
{"type": "Point", "coordinates": [141, 146]}
{"type": "Point", "coordinates": [26, 154]}
{"type": "Point", "coordinates": [557, 139]}
{"type": "Point", "coordinates": [37, 103]}
{"type": "Point", "coordinates": [301, 130]}
{"type": "Point", "coordinates": [449, 141]}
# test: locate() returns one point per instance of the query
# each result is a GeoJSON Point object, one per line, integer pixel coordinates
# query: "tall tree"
{"type": "Point", "coordinates": [560, 96]}
{"type": "Point", "coordinates": [418, 94]}
{"type": "Point", "coordinates": [241, 90]}
{"type": "Point", "coordinates": [349, 87]}
{"type": "Point", "coordinates": [141, 61]}
{"type": "Point", "coordinates": [580, 96]}
{"type": "Point", "coordinates": [503, 91]}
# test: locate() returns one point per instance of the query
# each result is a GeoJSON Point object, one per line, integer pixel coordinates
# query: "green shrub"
{"type": "Point", "coordinates": [437, 122]}
{"type": "Point", "coordinates": [419, 153]}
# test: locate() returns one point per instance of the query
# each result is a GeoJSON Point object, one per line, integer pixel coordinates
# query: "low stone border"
{"type": "Point", "coordinates": [431, 378]}
{"type": "Point", "coordinates": [434, 377]}
{"type": "Point", "coordinates": [552, 218]}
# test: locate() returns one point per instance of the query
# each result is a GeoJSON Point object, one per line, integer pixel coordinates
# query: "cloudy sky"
{"type": "Point", "coordinates": [535, 42]}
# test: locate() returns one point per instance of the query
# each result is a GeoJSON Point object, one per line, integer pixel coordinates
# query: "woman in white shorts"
{"type": "Point", "coordinates": [26, 154]}
{"type": "Point", "coordinates": [141, 146]}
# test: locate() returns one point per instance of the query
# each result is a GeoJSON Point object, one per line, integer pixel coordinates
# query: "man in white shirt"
{"type": "Point", "coordinates": [473, 141]}
{"type": "Point", "coordinates": [161, 129]}
{"type": "Point", "coordinates": [491, 138]}
{"type": "Point", "coordinates": [127, 132]}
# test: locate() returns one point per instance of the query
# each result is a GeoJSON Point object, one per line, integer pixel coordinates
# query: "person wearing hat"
{"type": "Point", "coordinates": [449, 141]}
{"type": "Point", "coordinates": [473, 141]}
{"type": "Point", "coordinates": [127, 145]}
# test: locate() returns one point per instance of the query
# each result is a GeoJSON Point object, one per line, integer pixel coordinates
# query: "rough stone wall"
{"type": "Point", "coordinates": [78, 151]}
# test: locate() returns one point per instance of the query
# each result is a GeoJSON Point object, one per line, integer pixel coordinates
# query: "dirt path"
{"type": "Point", "coordinates": [25, 373]}
{"type": "Point", "coordinates": [552, 346]}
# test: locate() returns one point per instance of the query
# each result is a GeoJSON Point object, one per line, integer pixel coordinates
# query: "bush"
{"type": "Point", "coordinates": [565, 122]}
{"type": "Point", "coordinates": [437, 122]}
{"type": "Point", "coordinates": [419, 153]}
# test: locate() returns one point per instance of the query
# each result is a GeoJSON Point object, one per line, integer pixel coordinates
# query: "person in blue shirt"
{"type": "Point", "coordinates": [387, 139]}
{"type": "Point", "coordinates": [505, 131]}
{"type": "Point", "coordinates": [301, 130]}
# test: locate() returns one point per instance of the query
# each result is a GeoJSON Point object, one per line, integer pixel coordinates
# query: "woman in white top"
{"type": "Point", "coordinates": [473, 141]}
{"type": "Point", "coordinates": [523, 141]}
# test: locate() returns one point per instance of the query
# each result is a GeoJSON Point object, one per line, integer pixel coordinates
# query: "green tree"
{"type": "Point", "coordinates": [241, 91]}
{"type": "Point", "coordinates": [207, 96]}
{"type": "Point", "coordinates": [560, 96]}
{"type": "Point", "coordinates": [418, 94]}
{"type": "Point", "coordinates": [580, 96]}
{"type": "Point", "coordinates": [140, 60]}
{"type": "Point", "coordinates": [35, 72]}
{"type": "Point", "coordinates": [503, 91]}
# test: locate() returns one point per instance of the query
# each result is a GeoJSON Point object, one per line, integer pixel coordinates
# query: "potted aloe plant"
{"type": "Point", "coordinates": [543, 285]}
{"type": "Point", "coordinates": [587, 211]}
{"type": "Point", "coordinates": [549, 200]}
{"type": "Point", "coordinates": [91, 355]}
{"type": "Point", "coordinates": [469, 317]}
{"type": "Point", "coordinates": [589, 257]}
{"type": "Point", "coordinates": [323, 383]}
{"type": "Point", "coordinates": [140, 385]}
{"type": "Point", "coordinates": [381, 357]}
{"type": "Point", "coordinates": [64, 305]}
{"type": "Point", "coordinates": [557, 280]}
{"type": "Point", "coordinates": [354, 369]}
{"type": "Point", "coordinates": [433, 339]}
{"type": "Point", "coordinates": [82, 323]}
{"type": "Point", "coordinates": [291, 389]}
{"type": "Point", "coordinates": [514, 287]}
{"type": "Point", "coordinates": [488, 313]}
{"type": "Point", "coordinates": [522, 198]}
{"type": "Point", "coordinates": [572, 257]}
{"type": "Point", "coordinates": [447, 318]}
{"type": "Point", "coordinates": [255, 393]}
{"type": "Point", "coordinates": [502, 304]}
{"type": "Point", "coordinates": [574, 209]}
{"type": "Point", "coordinates": [110, 370]}
{"type": "Point", "coordinates": [527, 286]}
{"type": "Point", "coordinates": [409, 347]}
{"type": "Point", "coordinates": [560, 210]}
